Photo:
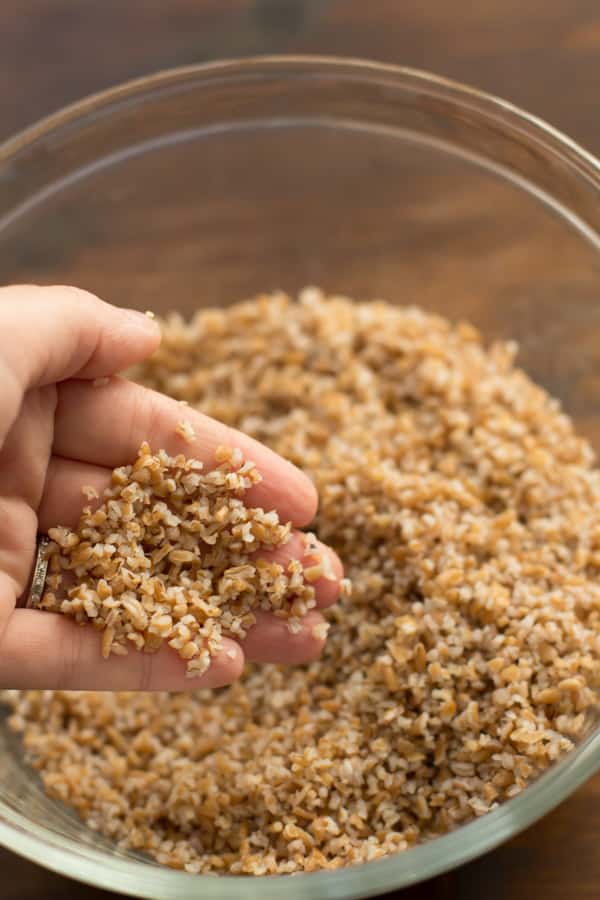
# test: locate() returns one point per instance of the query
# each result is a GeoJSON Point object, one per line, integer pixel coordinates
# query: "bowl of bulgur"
{"type": "Point", "coordinates": [441, 389]}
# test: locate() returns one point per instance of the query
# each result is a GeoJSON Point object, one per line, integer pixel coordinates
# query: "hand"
{"type": "Point", "coordinates": [59, 432]}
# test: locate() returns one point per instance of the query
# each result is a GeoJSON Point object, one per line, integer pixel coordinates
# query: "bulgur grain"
{"type": "Point", "coordinates": [185, 430]}
{"type": "Point", "coordinates": [467, 512]}
{"type": "Point", "coordinates": [321, 630]}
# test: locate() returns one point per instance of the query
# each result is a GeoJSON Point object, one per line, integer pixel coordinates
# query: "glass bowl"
{"type": "Point", "coordinates": [207, 184]}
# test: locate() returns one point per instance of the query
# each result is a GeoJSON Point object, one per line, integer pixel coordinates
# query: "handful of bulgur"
{"type": "Point", "coordinates": [170, 555]}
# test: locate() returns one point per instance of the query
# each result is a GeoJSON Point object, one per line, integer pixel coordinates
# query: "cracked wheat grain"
{"type": "Point", "coordinates": [467, 513]}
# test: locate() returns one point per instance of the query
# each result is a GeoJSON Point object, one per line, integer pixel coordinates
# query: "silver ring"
{"type": "Point", "coordinates": [38, 580]}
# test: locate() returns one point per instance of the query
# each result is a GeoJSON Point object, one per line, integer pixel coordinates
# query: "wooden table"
{"type": "Point", "coordinates": [542, 54]}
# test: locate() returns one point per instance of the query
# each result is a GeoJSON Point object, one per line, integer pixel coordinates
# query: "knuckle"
{"type": "Point", "coordinates": [71, 660]}
{"type": "Point", "coordinates": [146, 415]}
{"type": "Point", "coordinates": [146, 671]}
{"type": "Point", "coordinates": [73, 294]}
{"type": "Point", "coordinates": [12, 396]}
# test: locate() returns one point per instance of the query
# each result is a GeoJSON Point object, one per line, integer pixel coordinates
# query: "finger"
{"type": "Point", "coordinates": [48, 651]}
{"type": "Point", "coordinates": [326, 589]}
{"type": "Point", "coordinates": [106, 425]}
{"type": "Point", "coordinates": [66, 331]}
{"type": "Point", "coordinates": [63, 499]}
{"type": "Point", "coordinates": [23, 460]}
{"type": "Point", "coordinates": [271, 641]}
{"type": "Point", "coordinates": [26, 448]}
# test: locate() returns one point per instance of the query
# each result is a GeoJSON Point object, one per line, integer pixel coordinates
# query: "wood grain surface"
{"type": "Point", "coordinates": [543, 55]}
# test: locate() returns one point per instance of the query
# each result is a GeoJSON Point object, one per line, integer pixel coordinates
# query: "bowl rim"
{"type": "Point", "coordinates": [485, 102]}
{"type": "Point", "coordinates": [94, 866]}
{"type": "Point", "coordinates": [150, 880]}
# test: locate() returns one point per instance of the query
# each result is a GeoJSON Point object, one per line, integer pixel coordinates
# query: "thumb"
{"type": "Point", "coordinates": [49, 334]}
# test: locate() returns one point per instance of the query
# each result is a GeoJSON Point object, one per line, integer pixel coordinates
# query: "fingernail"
{"type": "Point", "coordinates": [143, 320]}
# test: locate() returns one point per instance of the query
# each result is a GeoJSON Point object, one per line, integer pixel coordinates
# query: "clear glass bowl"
{"type": "Point", "coordinates": [207, 184]}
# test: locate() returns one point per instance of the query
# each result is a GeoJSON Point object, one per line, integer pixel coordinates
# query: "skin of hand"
{"type": "Point", "coordinates": [58, 433]}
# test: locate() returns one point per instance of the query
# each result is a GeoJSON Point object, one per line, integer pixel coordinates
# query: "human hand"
{"type": "Point", "coordinates": [58, 432]}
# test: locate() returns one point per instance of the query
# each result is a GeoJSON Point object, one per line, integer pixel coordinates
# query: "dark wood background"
{"type": "Point", "coordinates": [543, 55]}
